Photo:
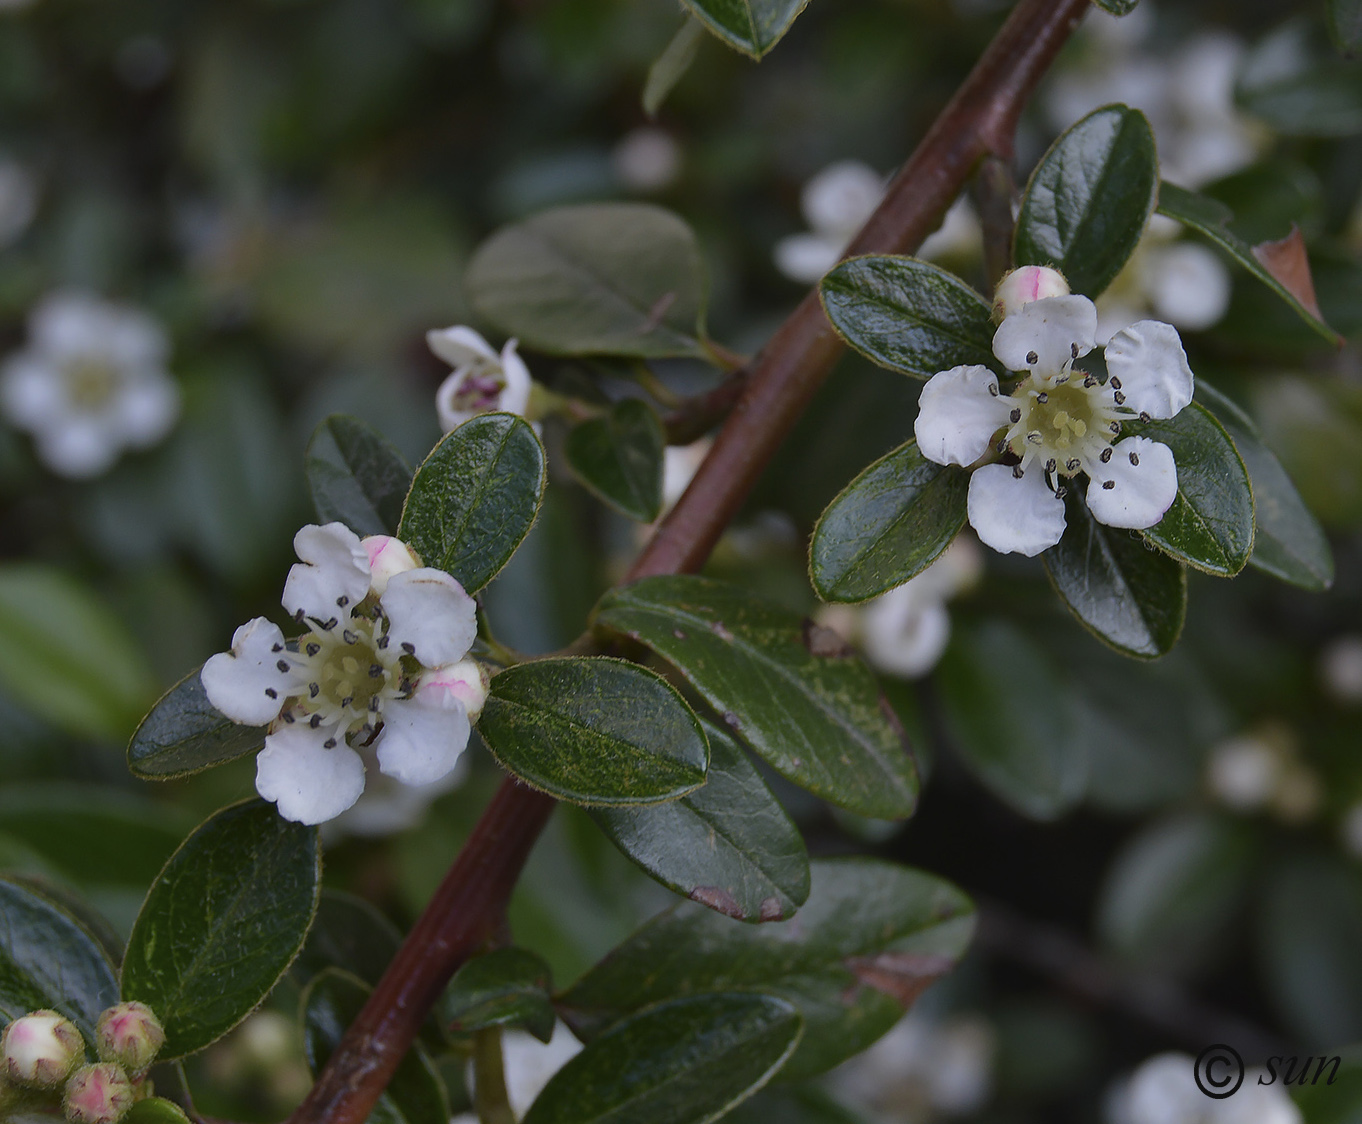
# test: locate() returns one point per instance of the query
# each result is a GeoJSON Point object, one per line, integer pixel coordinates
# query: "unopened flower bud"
{"type": "Point", "coordinates": [1022, 286]}
{"type": "Point", "coordinates": [130, 1035]}
{"type": "Point", "coordinates": [98, 1094]}
{"type": "Point", "coordinates": [387, 557]}
{"type": "Point", "coordinates": [40, 1048]}
{"type": "Point", "coordinates": [466, 680]}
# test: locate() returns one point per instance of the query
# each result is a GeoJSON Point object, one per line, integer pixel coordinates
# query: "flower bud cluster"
{"type": "Point", "coordinates": [43, 1062]}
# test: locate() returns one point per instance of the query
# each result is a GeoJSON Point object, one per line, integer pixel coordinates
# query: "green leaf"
{"type": "Point", "coordinates": [156, 1110]}
{"type": "Point", "coordinates": [1126, 594]}
{"type": "Point", "coordinates": [1288, 543]}
{"type": "Point", "coordinates": [728, 845]}
{"type": "Point", "coordinates": [184, 733]}
{"type": "Point", "coordinates": [887, 525]}
{"type": "Point", "coordinates": [508, 987]}
{"type": "Point", "coordinates": [671, 65]}
{"type": "Point", "coordinates": [752, 26]}
{"type": "Point", "coordinates": [356, 476]}
{"type": "Point", "coordinates": [684, 1062]}
{"type": "Point", "coordinates": [594, 279]}
{"type": "Point", "coordinates": [619, 458]}
{"type": "Point", "coordinates": [1117, 7]}
{"type": "Point", "coordinates": [222, 923]}
{"type": "Point", "coordinates": [1210, 525]}
{"type": "Point", "coordinates": [49, 960]}
{"type": "Point", "coordinates": [791, 690]}
{"type": "Point", "coordinates": [794, 1104]}
{"type": "Point", "coordinates": [415, 1095]}
{"type": "Point", "coordinates": [475, 498]}
{"type": "Point", "coordinates": [594, 731]}
{"type": "Point", "coordinates": [1345, 23]}
{"type": "Point", "coordinates": [1292, 81]}
{"type": "Point", "coordinates": [350, 934]}
{"type": "Point", "coordinates": [908, 315]}
{"type": "Point", "coordinates": [1211, 218]}
{"type": "Point", "coordinates": [1022, 743]}
{"type": "Point", "coordinates": [1089, 199]}
{"type": "Point", "coordinates": [66, 657]}
{"type": "Point", "coordinates": [869, 940]}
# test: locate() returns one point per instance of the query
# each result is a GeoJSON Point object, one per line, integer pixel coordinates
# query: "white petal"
{"type": "Point", "coordinates": [1050, 330]}
{"type": "Point", "coordinates": [1187, 284]}
{"type": "Point", "coordinates": [958, 413]}
{"type": "Point", "coordinates": [1148, 359]}
{"type": "Point", "coordinates": [905, 631]}
{"type": "Point", "coordinates": [806, 257]}
{"type": "Point", "coordinates": [1141, 491]}
{"type": "Point", "coordinates": [146, 408]}
{"type": "Point", "coordinates": [422, 737]}
{"type": "Point", "coordinates": [78, 445]}
{"type": "Point", "coordinates": [310, 783]}
{"type": "Point", "coordinates": [429, 610]}
{"type": "Point", "coordinates": [31, 391]}
{"type": "Point", "coordinates": [1014, 515]}
{"type": "Point", "coordinates": [839, 199]}
{"type": "Point", "coordinates": [237, 682]}
{"type": "Point", "coordinates": [69, 323]}
{"type": "Point", "coordinates": [460, 346]}
{"type": "Point", "coordinates": [516, 396]}
{"type": "Point", "coordinates": [450, 418]}
{"type": "Point", "coordinates": [334, 565]}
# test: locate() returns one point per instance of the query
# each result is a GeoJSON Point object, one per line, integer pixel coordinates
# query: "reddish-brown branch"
{"type": "Point", "coordinates": [469, 905]}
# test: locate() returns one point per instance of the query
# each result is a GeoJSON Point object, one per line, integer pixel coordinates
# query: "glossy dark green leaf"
{"type": "Point", "coordinates": [794, 1104]}
{"type": "Point", "coordinates": [687, 1061]}
{"type": "Point", "coordinates": [619, 457]}
{"type": "Point", "coordinates": [869, 940]}
{"type": "Point", "coordinates": [508, 987]}
{"type": "Point", "coordinates": [356, 476]}
{"type": "Point", "coordinates": [908, 315]}
{"type": "Point", "coordinates": [1289, 543]}
{"type": "Point", "coordinates": [1345, 23]}
{"type": "Point", "coordinates": [793, 691]}
{"type": "Point", "coordinates": [222, 923]}
{"type": "Point", "coordinates": [184, 733]}
{"type": "Point", "coordinates": [1127, 594]}
{"type": "Point", "coordinates": [887, 525]}
{"type": "Point", "coordinates": [415, 1095]}
{"type": "Point", "coordinates": [350, 934]}
{"type": "Point", "coordinates": [155, 1110]}
{"type": "Point", "coordinates": [49, 960]}
{"type": "Point", "coordinates": [671, 65]}
{"type": "Point", "coordinates": [65, 656]}
{"type": "Point", "coordinates": [752, 26]}
{"type": "Point", "coordinates": [475, 498]}
{"type": "Point", "coordinates": [594, 279]}
{"type": "Point", "coordinates": [1210, 525]}
{"type": "Point", "coordinates": [1023, 744]}
{"type": "Point", "coordinates": [728, 845]}
{"type": "Point", "coordinates": [594, 731]}
{"type": "Point", "coordinates": [1211, 218]}
{"type": "Point", "coordinates": [1089, 199]}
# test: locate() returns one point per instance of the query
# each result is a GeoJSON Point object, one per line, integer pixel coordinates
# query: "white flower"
{"type": "Point", "coordinates": [528, 1065]}
{"type": "Point", "coordinates": [1340, 666]}
{"type": "Point", "coordinates": [385, 665]}
{"type": "Point", "coordinates": [1243, 772]}
{"type": "Point", "coordinates": [481, 380]}
{"type": "Point", "coordinates": [647, 159]}
{"type": "Point", "coordinates": [836, 204]}
{"type": "Point", "coordinates": [1163, 1090]}
{"type": "Point", "coordinates": [1019, 287]}
{"type": "Point", "coordinates": [92, 382]}
{"type": "Point", "coordinates": [1058, 422]}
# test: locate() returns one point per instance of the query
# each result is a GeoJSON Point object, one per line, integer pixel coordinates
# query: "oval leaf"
{"type": "Point", "coordinates": [1127, 595]}
{"type": "Point", "coordinates": [508, 987]}
{"type": "Point", "coordinates": [416, 1095]}
{"type": "Point", "coordinates": [908, 315]}
{"type": "Point", "coordinates": [475, 498]}
{"type": "Point", "coordinates": [594, 731]}
{"type": "Point", "coordinates": [869, 940]}
{"type": "Point", "coordinates": [222, 923]}
{"type": "Point", "coordinates": [728, 845]}
{"type": "Point", "coordinates": [752, 26]}
{"type": "Point", "coordinates": [356, 476]}
{"type": "Point", "coordinates": [1089, 199]}
{"type": "Point", "coordinates": [155, 1110]}
{"type": "Point", "coordinates": [594, 279]}
{"type": "Point", "coordinates": [684, 1062]}
{"type": "Point", "coordinates": [49, 960]}
{"type": "Point", "coordinates": [794, 692]}
{"type": "Point", "coordinates": [1210, 525]}
{"type": "Point", "coordinates": [887, 525]}
{"type": "Point", "coordinates": [619, 457]}
{"type": "Point", "coordinates": [184, 733]}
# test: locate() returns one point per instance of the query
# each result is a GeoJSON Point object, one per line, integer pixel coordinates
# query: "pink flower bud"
{"type": "Point", "coordinates": [40, 1048]}
{"type": "Point", "coordinates": [98, 1094]}
{"type": "Point", "coordinates": [1022, 286]}
{"type": "Point", "coordinates": [387, 556]}
{"type": "Point", "coordinates": [130, 1035]}
{"type": "Point", "coordinates": [466, 680]}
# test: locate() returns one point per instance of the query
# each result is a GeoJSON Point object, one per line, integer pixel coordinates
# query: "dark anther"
{"type": "Point", "coordinates": [993, 389]}
{"type": "Point", "coordinates": [1050, 465]}
{"type": "Point", "coordinates": [347, 700]}
{"type": "Point", "coordinates": [1134, 458]}
{"type": "Point", "coordinates": [1042, 398]}
{"type": "Point", "coordinates": [1034, 437]}
{"type": "Point", "coordinates": [1115, 427]}
{"type": "Point", "coordinates": [1073, 350]}
{"type": "Point", "coordinates": [298, 616]}
{"type": "Point", "coordinates": [1114, 383]}
{"type": "Point", "coordinates": [271, 692]}
{"type": "Point", "coordinates": [1089, 381]}
{"type": "Point", "coordinates": [1120, 398]}
{"type": "Point", "coordinates": [1144, 416]}
{"type": "Point", "coordinates": [277, 648]}
{"type": "Point", "coordinates": [373, 704]}
{"type": "Point", "coordinates": [330, 743]}
{"type": "Point", "coordinates": [375, 671]}
{"type": "Point", "coordinates": [350, 637]}
{"type": "Point", "coordinates": [282, 665]}
{"type": "Point", "coordinates": [1061, 492]}
{"type": "Point", "coordinates": [313, 648]}
{"type": "Point", "coordinates": [1073, 464]}
{"type": "Point", "coordinates": [409, 648]}
{"type": "Point", "coordinates": [1014, 416]}
{"type": "Point", "coordinates": [1108, 485]}
{"type": "Point", "coordinates": [1017, 471]}
{"type": "Point", "coordinates": [287, 717]}
{"type": "Point", "coordinates": [1106, 455]}
{"type": "Point", "coordinates": [313, 690]}
{"type": "Point", "coordinates": [342, 601]}
{"type": "Point", "coordinates": [1032, 358]}
{"type": "Point", "coordinates": [1001, 446]}
{"type": "Point", "coordinates": [382, 642]}
{"type": "Point", "coordinates": [315, 721]}
{"type": "Point", "coordinates": [328, 625]}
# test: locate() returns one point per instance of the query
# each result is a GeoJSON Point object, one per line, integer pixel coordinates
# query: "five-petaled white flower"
{"type": "Point", "coordinates": [1057, 422]}
{"type": "Point", "coordinates": [481, 380]}
{"type": "Point", "coordinates": [384, 659]}
{"type": "Point", "coordinates": [91, 383]}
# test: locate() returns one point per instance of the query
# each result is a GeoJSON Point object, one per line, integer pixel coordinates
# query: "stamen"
{"type": "Point", "coordinates": [1134, 459]}
{"type": "Point", "coordinates": [1073, 464]}
{"type": "Point", "coordinates": [1073, 350]}
{"type": "Point", "coordinates": [409, 648]}
{"type": "Point", "coordinates": [328, 625]}
{"type": "Point", "coordinates": [1108, 485]}
{"type": "Point", "coordinates": [1001, 447]}
{"type": "Point", "coordinates": [313, 690]}
{"type": "Point", "coordinates": [330, 743]}
{"type": "Point", "coordinates": [375, 671]}
{"type": "Point", "coordinates": [1114, 383]}
{"type": "Point", "coordinates": [1106, 455]}
{"type": "Point", "coordinates": [342, 601]}
{"type": "Point", "coordinates": [1014, 416]}
{"type": "Point", "coordinates": [1115, 426]}
{"type": "Point", "coordinates": [1017, 472]}
{"type": "Point", "coordinates": [271, 692]}
{"type": "Point", "coordinates": [315, 721]}
{"type": "Point", "coordinates": [1050, 465]}
{"type": "Point", "coordinates": [993, 389]}
{"type": "Point", "coordinates": [1144, 416]}
{"type": "Point", "coordinates": [347, 701]}
{"type": "Point", "coordinates": [1090, 381]}
{"type": "Point", "coordinates": [1061, 492]}
{"type": "Point", "coordinates": [1032, 358]}
{"type": "Point", "coordinates": [374, 704]}
{"type": "Point", "coordinates": [1120, 398]}
{"type": "Point", "coordinates": [1042, 398]}
{"type": "Point", "coordinates": [350, 637]}
{"type": "Point", "coordinates": [287, 716]}
{"type": "Point", "coordinates": [282, 665]}
{"type": "Point", "coordinates": [382, 642]}
{"type": "Point", "coordinates": [1034, 437]}
{"type": "Point", "coordinates": [313, 648]}
{"type": "Point", "coordinates": [277, 648]}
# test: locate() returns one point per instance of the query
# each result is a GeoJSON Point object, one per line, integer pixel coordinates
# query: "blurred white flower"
{"type": "Point", "coordinates": [528, 1065]}
{"type": "Point", "coordinates": [481, 380]}
{"type": "Point", "coordinates": [836, 203]}
{"type": "Point", "coordinates": [647, 159]}
{"type": "Point", "coordinates": [679, 465]}
{"type": "Point", "coordinates": [1163, 1090]}
{"type": "Point", "coordinates": [960, 233]}
{"type": "Point", "coordinates": [18, 199]}
{"type": "Point", "coordinates": [91, 383]}
{"type": "Point", "coordinates": [1340, 668]}
{"type": "Point", "coordinates": [1242, 772]}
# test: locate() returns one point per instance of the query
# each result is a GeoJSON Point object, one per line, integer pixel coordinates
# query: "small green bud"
{"type": "Point", "coordinates": [130, 1035]}
{"type": "Point", "coordinates": [98, 1094]}
{"type": "Point", "coordinates": [40, 1048]}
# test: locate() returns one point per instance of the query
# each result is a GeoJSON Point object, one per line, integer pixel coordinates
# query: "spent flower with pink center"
{"type": "Point", "coordinates": [482, 380]}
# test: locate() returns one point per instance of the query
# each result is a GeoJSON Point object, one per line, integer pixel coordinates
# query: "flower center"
{"type": "Point", "coordinates": [481, 390]}
{"type": "Point", "coordinates": [349, 672]}
{"type": "Point", "coordinates": [1061, 423]}
{"type": "Point", "coordinates": [90, 383]}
